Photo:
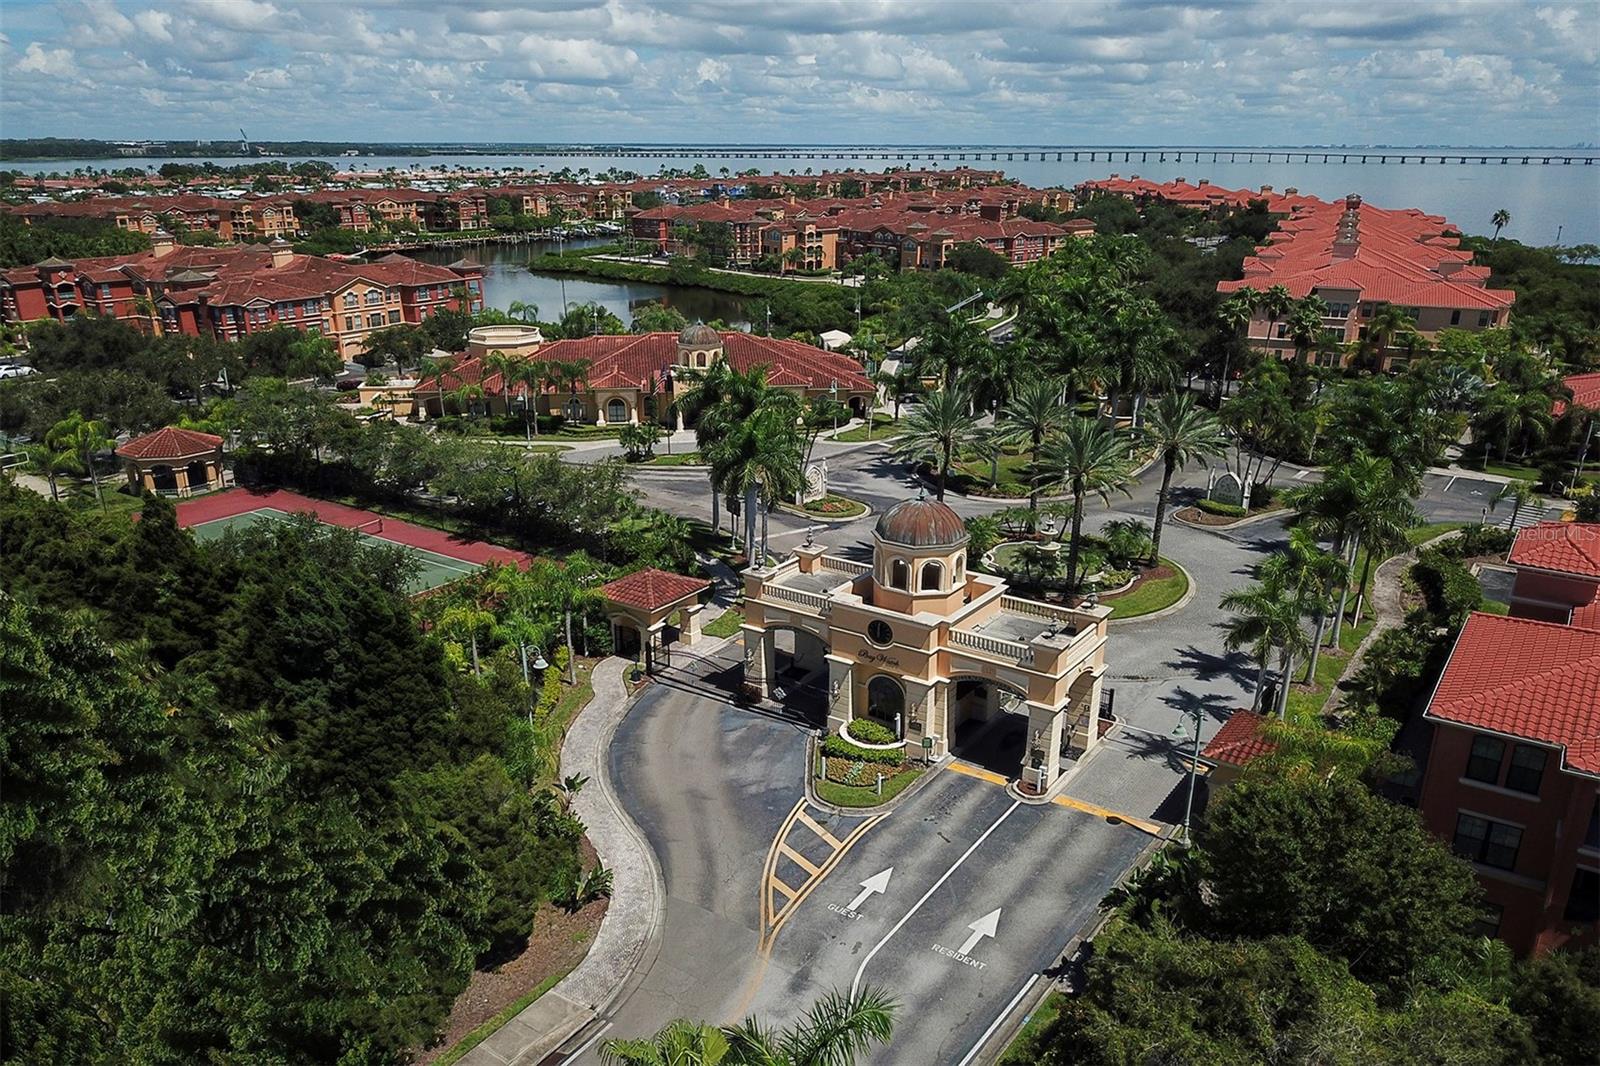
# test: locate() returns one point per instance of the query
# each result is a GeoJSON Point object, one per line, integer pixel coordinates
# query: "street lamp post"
{"type": "Point", "coordinates": [538, 664]}
{"type": "Point", "coordinates": [1194, 768]}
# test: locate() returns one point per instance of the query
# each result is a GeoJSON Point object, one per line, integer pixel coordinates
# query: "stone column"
{"type": "Point", "coordinates": [1085, 710]}
{"type": "Point", "coordinates": [841, 692]}
{"type": "Point", "coordinates": [760, 660]}
{"type": "Point", "coordinates": [690, 632]}
{"type": "Point", "coordinates": [1044, 739]}
{"type": "Point", "coordinates": [928, 707]}
{"type": "Point", "coordinates": [148, 481]}
{"type": "Point", "coordinates": [181, 475]}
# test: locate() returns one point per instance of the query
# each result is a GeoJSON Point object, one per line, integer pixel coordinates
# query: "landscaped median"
{"type": "Point", "coordinates": [830, 508]}
{"type": "Point", "coordinates": [1153, 590]}
{"type": "Point", "coordinates": [864, 774]}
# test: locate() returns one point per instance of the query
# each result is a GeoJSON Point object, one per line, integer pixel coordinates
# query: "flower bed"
{"type": "Point", "coordinates": [835, 506]}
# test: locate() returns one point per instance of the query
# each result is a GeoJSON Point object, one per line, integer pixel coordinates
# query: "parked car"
{"type": "Point", "coordinates": [16, 370]}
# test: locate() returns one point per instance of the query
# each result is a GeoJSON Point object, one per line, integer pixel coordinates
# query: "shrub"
{"type": "Point", "coordinates": [1225, 510]}
{"type": "Point", "coordinates": [1115, 579]}
{"type": "Point", "coordinates": [1127, 540]}
{"type": "Point", "coordinates": [1262, 495]}
{"type": "Point", "coordinates": [869, 732]}
{"type": "Point", "coordinates": [1449, 588]}
{"type": "Point", "coordinates": [836, 747]}
{"type": "Point", "coordinates": [1477, 540]}
{"type": "Point", "coordinates": [1588, 507]}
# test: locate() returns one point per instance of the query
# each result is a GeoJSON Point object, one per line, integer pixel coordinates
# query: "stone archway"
{"type": "Point", "coordinates": [886, 702]}
{"type": "Point", "coordinates": [163, 478]}
{"type": "Point", "coordinates": [988, 723]}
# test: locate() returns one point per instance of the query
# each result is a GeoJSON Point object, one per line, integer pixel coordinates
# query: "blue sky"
{"type": "Point", "coordinates": [872, 71]}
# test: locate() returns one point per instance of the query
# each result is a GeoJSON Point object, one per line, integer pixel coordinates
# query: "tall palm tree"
{"type": "Point", "coordinates": [1314, 574]}
{"type": "Point", "coordinates": [937, 431]}
{"type": "Point", "coordinates": [951, 347]}
{"type": "Point", "coordinates": [498, 362]}
{"type": "Point", "coordinates": [1500, 220]}
{"type": "Point", "coordinates": [762, 458]}
{"type": "Point", "coordinates": [526, 310]}
{"type": "Point", "coordinates": [1181, 431]}
{"type": "Point", "coordinates": [1305, 324]}
{"type": "Point", "coordinates": [1234, 313]}
{"type": "Point", "coordinates": [1521, 495]}
{"type": "Point", "coordinates": [1509, 413]}
{"type": "Point", "coordinates": [896, 383]}
{"type": "Point", "coordinates": [83, 438]}
{"type": "Point", "coordinates": [837, 1030]}
{"type": "Point", "coordinates": [1381, 513]}
{"type": "Point", "coordinates": [1033, 413]}
{"type": "Point", "coordinates": [1137, 355]}
{"type": "Point", "coordinates": [1266, 615]}
{"type": "Point", "coordinates": [50, 463]}
{"type": "Point", "coordinates": [1276, 302]}
{"type": "Point", "coordinates": [1087, 456]}
{"type": "Point", "coordinates": [1391, 326]}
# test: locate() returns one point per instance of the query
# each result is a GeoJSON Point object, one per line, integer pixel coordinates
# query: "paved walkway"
{"type": "Point", "coordinates": [632, 924]}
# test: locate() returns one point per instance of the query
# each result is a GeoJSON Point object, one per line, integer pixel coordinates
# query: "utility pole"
{"type": "Point", "coordinates": [1194, 769]}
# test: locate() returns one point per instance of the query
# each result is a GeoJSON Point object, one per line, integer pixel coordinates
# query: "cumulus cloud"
{"type": "Point", "coordinates": [1428, 71]}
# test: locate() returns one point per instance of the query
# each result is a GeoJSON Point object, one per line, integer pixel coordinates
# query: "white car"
{"type": "Point", "coordinates": [15, 370]}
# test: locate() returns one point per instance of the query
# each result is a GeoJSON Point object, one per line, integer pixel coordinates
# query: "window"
{"type": "Point", "coordinates": [394, 316]}
{"type": "Point", "coordinates": [350, 299]}
{"type": "Point", "coordinates": [961, 565]}
{"type": "Point", "coordinates": [374, 296]}
{"type": "Point", "coordinates": [375, 321]}
{"type": "Point", "coordinates": [1366, 310]}
{"type": "Point", "coordinates": [352, 322]}
{"type": "Point", "coordinates": [1484, 762]}
{"type": "Point", "coordinates": [932, 577]}
{"type": "Point", "coordinates": [1283, 330]}
{"type": "Point", "coordinates": [879, 632]}
{"type": "Point", "coordinates": [1490, 843]}
{"type": "Point", "coordinates": [1527, 769]}
{"type": "Point", "coordinates": [616, 410]}
{"type": "Point", "coordinates": [900, 575]}
{"type": "Point", "coordinates": [1455, 317]}
{"type": "Point", "coordinates": [1583, 902]}
{"type": "Point", "coordinates": [105, 292]}
{"type": "Point", "coordinates": [1485, 318]}
{"type": "Point", "coordinates": [1591, 839]}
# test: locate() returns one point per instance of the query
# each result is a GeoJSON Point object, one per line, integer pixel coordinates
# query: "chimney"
{"type": "Point", "coordinates": [1180, 181]}
{"type": "Point", "coordinates": [1265, 189]}
{"type": "Point", "coordinates": [1347, 237]}
{"type": "Point", "coordinates": [161, 243]}
{"type": "Point", "coordinates": [1204, 182]}
{"type": "Point", "coordinates": [1291, 191]}
{"type": "Point", "coordinates": [282, 252]}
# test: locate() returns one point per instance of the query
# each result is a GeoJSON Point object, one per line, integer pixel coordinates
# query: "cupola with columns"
{"type": "Point", "coordinates": [919, 557]}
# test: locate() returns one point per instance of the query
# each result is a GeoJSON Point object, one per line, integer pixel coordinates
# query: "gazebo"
{"type": "Point", "coordinates": [640, 606]}
{"type": "Point", "coordinates": [173, 462]}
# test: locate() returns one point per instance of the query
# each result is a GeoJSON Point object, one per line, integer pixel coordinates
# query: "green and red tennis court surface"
{"type": "Point", "coordinates": [442, 558]}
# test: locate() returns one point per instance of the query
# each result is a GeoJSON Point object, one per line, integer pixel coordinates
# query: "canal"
{"type": "Point", "coordinates": [507, 279]}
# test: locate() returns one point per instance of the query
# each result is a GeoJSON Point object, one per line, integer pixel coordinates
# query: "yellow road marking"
{"type": "Point", "coordinates": [784, 888]}
{"type": "Point", "coordinates": [827, 868]}
{"type": "Point", "coordinates": [799, 860]}
{"type": "Point", "coordinates": [1153, 828]}
{"type": "Point", "coordinates": [982, 775]}
{"type": "Point", "coordinates": [827, 837]}
{"type": "Point", "coordinates": [771, 863]}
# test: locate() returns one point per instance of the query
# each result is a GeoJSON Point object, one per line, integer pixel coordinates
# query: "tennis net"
{"type": "Point", "coordinates": [370, 528]}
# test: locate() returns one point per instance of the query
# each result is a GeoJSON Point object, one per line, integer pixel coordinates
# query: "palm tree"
{"type": "Point", "coordinates": [1500, 220]}
{"type": "Point", "coordinates": [1313, 573]}
{"type": "Point", "coordinates": [83, 438]}
{"type": "Point", "coordinates": [762, 458]}
{"type": "Point", "coordinates": [1390, 327]}
{"type": "Point", "coordinates": [526, 310]}
{"type": "Point", "coordinates": [51, 463]}
{"type": "Point", "coordinates": [1034, 412]}
{"type": "Point", "coordinates": [466, 396]}
{"type": "Point", "coordinates": [1234, 313]}
{"type": "Point", "coordinates": [897, 383]}
{"type": "Point", "coordinates": [1305, 324]}
{"type": "Point", "coordinates": [953, 346]}
{"type": "Point", "coordinates": [837, 1030]}
{"type": "Point", "coordinates": [1181, 431]}
{"type": "Point", "coordinates": [1513, 414]}
{"type": "Point", "coordinates": [1381, 513]}
{"type": "Point", "coordinates": [1276, 302]}
{"type": "Point", "coordinates": [1137, 356]}
{"type": "Point", "coordinates": [1265, 616]}
{"type": "Point", "coordinates": [717, 400]}
{"type": "Point", "coordinates": [1088, 456]}
{"type": "Point", "coordinates": [937, 431]}
{"type": "Point", "coordinates": [1521, 495]}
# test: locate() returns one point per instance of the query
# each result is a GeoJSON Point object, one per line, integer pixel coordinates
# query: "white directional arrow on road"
{"type": "Point", "coordinates": [875, 883]}
{"type": "Point", "coordinates": [983, 927]}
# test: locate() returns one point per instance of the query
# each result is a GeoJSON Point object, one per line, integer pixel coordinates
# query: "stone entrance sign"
{"type": "Point", "coordinates": [1226, 488]}
{"type": "Point", "coordinates": [816, 486]}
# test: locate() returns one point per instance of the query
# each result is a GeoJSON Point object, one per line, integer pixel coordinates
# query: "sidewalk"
{"type": "Point", "coordinates": [633, 920]}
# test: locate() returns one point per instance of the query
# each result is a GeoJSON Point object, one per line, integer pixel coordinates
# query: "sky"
{"type": "Point", "coordinates": [824, 72]}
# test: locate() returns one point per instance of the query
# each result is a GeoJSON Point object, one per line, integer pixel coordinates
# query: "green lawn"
{"type": "Point", "coordinates": [883, 427]}
{"type": "Point", "coordinates": [853, 796]}
{"type": "Point", "coordinates": [1433, 529]}
{"type": "Point", "coordinates": [725, 624]}
{"type": "Point", "coordinates": [1305, 702]}
{"type": "Point", "coordinates": [1150, 596]}
{"type": "Point", "coordinates": [1495, 607]}
{"type": "Point", "coordinates": [482, 1032]}
{"type": "Point", "coordinates": [675, 459]}
{"type": "Point", "coordinates": [973, 475]}
{"type": "Point", "coordinates": [1021, 1052]}
{"type": "Point", "coordinates": [835, 506]}
{"type": "Point", "coordinates": [81, 497]}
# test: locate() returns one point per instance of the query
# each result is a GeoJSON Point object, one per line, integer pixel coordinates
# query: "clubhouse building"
{"type": "Point", "coordinates": [943, 656]}
{"type": "Point", "coordinates": [631, 378]}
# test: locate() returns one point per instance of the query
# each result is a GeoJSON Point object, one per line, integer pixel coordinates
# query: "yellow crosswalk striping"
{"type": "Point", "coordinates": [1144, 825]}
{"type": "Point", "coordinates": [827, 837]}
{"type": "Point", "coordinates": [778, 898]}
{"type": "Point", "coordinates": [799, 860]}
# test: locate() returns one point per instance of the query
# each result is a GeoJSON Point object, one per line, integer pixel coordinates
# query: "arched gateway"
{"type": "Point", "coordinates": [920, 643]}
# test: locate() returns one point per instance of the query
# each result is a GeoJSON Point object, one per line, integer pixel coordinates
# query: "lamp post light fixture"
{"type": "Point", "coordinates": [538, 664]}
{"type": "Point", "coordinates": [1179, 731]}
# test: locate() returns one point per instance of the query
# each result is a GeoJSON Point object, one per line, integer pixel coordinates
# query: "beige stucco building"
{"type": "Point", "coordinates": [917, 641]}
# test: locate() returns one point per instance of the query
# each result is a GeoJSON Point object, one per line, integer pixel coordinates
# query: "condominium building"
{"type": "Point", "coordinates": [232, 292]}
{"type": "Point", "coordinates": [1513, 771]}
{"type": "Point", "coordinates": [229, 219]}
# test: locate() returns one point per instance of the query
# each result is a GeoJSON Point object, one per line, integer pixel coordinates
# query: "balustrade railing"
{"type": "Point", "coordinates": [995, 646]}
{"type": "Point", "coordinates": [814, 600]}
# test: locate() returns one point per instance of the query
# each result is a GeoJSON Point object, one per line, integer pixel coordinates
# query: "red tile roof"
{"type": "Point", "coordinates": [1239, 741]}
{"type": "Point", "coordinates": [652, 589]}
{"type": "Point", "coordinates": [1585, 390]}
{"type": "Point", "coordinates": [1535, 680]}
{"type": "Point", "coordinates": [1567, 547]}
{"type": "Point", "coordinates": [170, 443]}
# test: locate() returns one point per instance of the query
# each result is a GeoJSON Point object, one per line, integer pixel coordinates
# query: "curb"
{"type": "Point", "coordinates": [1174, 608]}
{"type": "Point", "coordinates": [829, 520]}
{"type": "Point", "coordinates": [1250, 521]}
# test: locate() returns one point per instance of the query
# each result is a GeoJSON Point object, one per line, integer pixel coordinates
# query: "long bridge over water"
{"type": "Point", "coordinates": [1085, 154]}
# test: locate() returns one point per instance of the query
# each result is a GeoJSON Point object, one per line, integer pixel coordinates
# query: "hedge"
{"type": "Point", "coordinates": [1451, 591]}
{"type": "Point", "coordinates": [836, 747]}
{"type": "Point", "coordinates": [869, 732]}
{"type": "Point", "coordinates": [1225, 510]}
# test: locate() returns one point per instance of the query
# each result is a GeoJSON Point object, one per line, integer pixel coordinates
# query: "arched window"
{"type": "Point", "coordinates": [932, 577]}
{"type": "Point", "coordinates": [961, 567]}
{"type": "Point", "coordinates": [886, 700]}
{"type": "Point", "coordinates": [616, 410]}
{"type": "Point", "coordinates": [900, 575]}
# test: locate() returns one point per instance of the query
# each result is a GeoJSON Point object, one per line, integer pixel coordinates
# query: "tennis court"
{"type": "Point", "coordinates": [435, 569]}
